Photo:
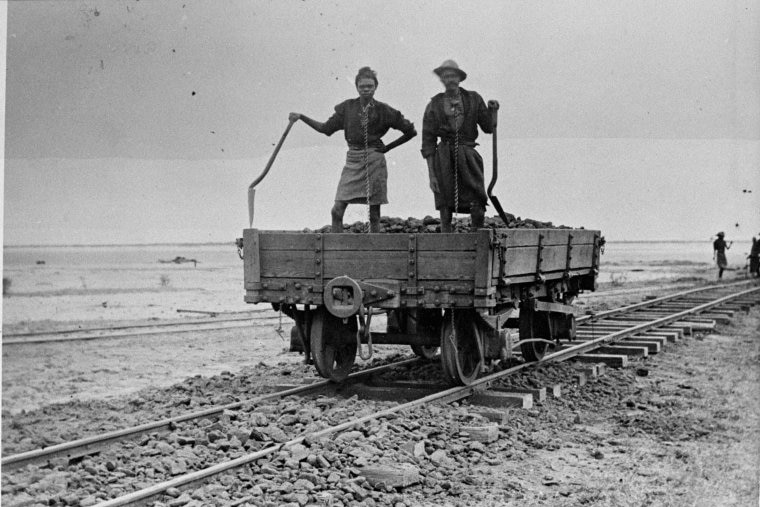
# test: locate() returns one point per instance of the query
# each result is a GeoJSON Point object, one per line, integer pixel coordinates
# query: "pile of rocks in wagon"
{"type": "Point", "coordinates": [433, 224]}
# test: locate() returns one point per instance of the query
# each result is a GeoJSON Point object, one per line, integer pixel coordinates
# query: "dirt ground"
{"type": "Point", "coordinates": [36, 375]}
{"type": "Point", "coordinates": [679, 428]}
{"type": "Point", "coordinates": [686, 433]}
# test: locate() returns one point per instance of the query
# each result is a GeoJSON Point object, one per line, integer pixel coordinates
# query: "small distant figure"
{"type": "Point", "coordinates": [39, 263]}
{"type": "Point", "coordinates": [754, 258]}
{"type": "Point", "coordinates": [719, 253]}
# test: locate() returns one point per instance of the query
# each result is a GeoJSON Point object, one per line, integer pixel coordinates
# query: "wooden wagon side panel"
{"type": "Point", "coordinates": [525, 253]}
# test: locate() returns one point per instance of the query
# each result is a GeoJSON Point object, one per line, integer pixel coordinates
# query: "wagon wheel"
{"type": "Point", "coordinates": [460, 354]}
{"type": "Point", "coordinates": [533, 325]}
{"type": "Point", "coordinates": [333, 345]}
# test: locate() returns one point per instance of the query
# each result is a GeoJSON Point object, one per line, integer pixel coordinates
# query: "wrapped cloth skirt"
{"type": "Point", "coordinates": [352, 187]}
{"type": "Point", "coordinates": [469, 182]}
{"type": "Point", "coordinates": [721, 260]}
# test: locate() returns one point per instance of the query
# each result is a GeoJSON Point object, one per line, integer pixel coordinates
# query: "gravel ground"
{"type": "Point", "coordinates": [679, 428]}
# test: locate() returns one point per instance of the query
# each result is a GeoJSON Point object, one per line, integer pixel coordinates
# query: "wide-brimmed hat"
{"type": "Point", "coordinates": [721, 233]}
{"type": "Point", "coordinates": [452, 65]}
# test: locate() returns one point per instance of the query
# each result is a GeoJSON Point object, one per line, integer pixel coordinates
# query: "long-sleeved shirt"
{"type": "Point", "coordinates": [382, 117]}
{"type": "Point", "coordinates": [436, 123]}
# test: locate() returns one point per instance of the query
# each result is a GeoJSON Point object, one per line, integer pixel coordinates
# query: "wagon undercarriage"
{"type": "Point", "coordinates": [465, 294]}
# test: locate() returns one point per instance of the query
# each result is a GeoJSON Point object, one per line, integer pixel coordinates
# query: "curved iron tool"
{"type": "Point", "coordinates": [251, 187]}
{"type": "Point", "coordinates": [493, 107]}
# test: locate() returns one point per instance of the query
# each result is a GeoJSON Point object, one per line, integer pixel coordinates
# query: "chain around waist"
{"type": "Point", "coordinates": [360, 147]}
{"type": "Point", "coordinates": [462, 142]}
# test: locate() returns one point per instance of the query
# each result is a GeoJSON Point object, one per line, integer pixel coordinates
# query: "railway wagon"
{"type": "Point", "coordinates": [455, 292]}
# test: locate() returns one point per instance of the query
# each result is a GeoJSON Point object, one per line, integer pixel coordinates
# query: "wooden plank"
{"type": "Point", "coordinates": [635, 319]}
{"type": "Point", "coordinates": [445, 242]}
{"type": "Point", "coordinates": [446, 265]}
{"type": "Point", "coordinates": [286, 241]}
{"type": "Point", "coordinates": [669, 336]}
{"type": "Point", "coordinates": [359, 242]}
{"type": "Point", "coordinates": [529, 237]}
{"type": "Point", "coordinates": [251, 267]}
{"type": "Point", "coordinates": [611, 360]}
{"type": "Point", "coordinates": [623, 349]}
{"type": "Point", "coordinates": [652, 346]}
{"type": "Point", "coordinates": [531, 278]}
{"type": "Point", "coordinates": [538, 394]}
{"type": "Point", "coordinates": [272, 240]}
{"type": "Point", "coordinates": [522, 260]}
{"type": "Point", "coordinates": [453, 266]}
{"type": "Point", "coordinates": [300, 264]}
{"type": "Point", "coordinates": [365, 242]}
{"type": "Point", "coordinates": [501, 400]}
{"type": "Point", "coordinates": [609, 328]}
{"type": "Point", "coordinates": [483, 260]}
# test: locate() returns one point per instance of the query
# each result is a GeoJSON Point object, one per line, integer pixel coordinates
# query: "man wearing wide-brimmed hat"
{"type": "Point", "coordinates": [454, 166]}
{"type": "Point", "coordinates": [719, 253]}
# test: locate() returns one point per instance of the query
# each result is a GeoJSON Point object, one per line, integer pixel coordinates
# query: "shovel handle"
{"type": "Point", "coordinates": [493, 107]}
{"type": "Point", "coordinates": [274, 155]}
{"type": "Point", "coordinates": [252, 186]}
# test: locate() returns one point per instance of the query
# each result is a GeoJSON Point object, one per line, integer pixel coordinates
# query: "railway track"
{"type": "Point", "coordinates": [103, 333]}
{"type": "Point", "coordinates": [91, 445]}
{"type": "Point", "coordinates": [644, 324]}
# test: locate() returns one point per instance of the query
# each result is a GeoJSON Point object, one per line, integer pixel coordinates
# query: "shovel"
{"type": "Point", "coordinates": [252, 186]}
{"type": "Point", "coordinates": [494, 108]}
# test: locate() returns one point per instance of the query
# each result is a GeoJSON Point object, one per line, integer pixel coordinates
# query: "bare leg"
{"type": "Point", "coordinates": [720, 273]}
{"type": "Point", "coordinates": [446, 220]}
{"type": "Point", "coordinates": [374, 218]}
{"type": "Point", "coordinates": [337, 212]}
{"type": "Point", "coordinates": [477, 216]}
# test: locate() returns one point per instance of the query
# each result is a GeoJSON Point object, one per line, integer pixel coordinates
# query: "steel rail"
{"type": "Point", "coordinates": [129, 326]}
{"type": "Point", "coordinates": [656, 301]}
{"type": "Point", "coordinates": [91, 445]}
{"type": "Point", "coordinates": [640, 328]}
{"type": "Point", "coordinates": [448, 395]}
{"type": "Point", "coordinates": [234, 324]}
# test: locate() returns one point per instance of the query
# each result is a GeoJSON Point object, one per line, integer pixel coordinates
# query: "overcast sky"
{"type": "Point", "coordinates": [144, 121]}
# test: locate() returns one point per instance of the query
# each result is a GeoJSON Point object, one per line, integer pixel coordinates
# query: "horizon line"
{"type": "Point", "coordinates": [227, 243]}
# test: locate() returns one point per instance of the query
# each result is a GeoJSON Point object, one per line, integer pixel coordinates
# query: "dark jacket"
{"type": "Point", "coordinates": [382, 117]}
{"type": "Point", "coordinates": [436, 125]}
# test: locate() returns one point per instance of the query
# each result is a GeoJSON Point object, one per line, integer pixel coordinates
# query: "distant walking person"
{"type": "Point", "coordinates": [719, 253]}
{"type": "Point", "coordinates": [754, 258]}
{"type": "Point", "coordinates": [454, 166]}
{"type": "Point", "coordinates": [364, 121]}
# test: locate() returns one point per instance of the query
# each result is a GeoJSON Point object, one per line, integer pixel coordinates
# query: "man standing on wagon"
{"type": "Point", "coordinates": [454, 166]}
{"type": "Point", "coordinates": [364, 121]}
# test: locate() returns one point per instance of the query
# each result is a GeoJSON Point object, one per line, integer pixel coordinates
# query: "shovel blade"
{"type": "Point", "coordinates": [251, 198]}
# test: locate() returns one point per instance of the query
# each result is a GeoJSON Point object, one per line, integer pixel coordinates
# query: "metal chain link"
{"type": "Point", "coordinates": [365, 128]}
{"type": "Point", "coordinates": [456, 166]}
{"type": "Point", "coordinates": [452, 335]}
{"type": "Point", "coordinates": [280, 331]}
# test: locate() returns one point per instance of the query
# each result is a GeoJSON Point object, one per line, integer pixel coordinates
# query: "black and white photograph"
{"type": "Point", "coordinates": [380, 253]}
